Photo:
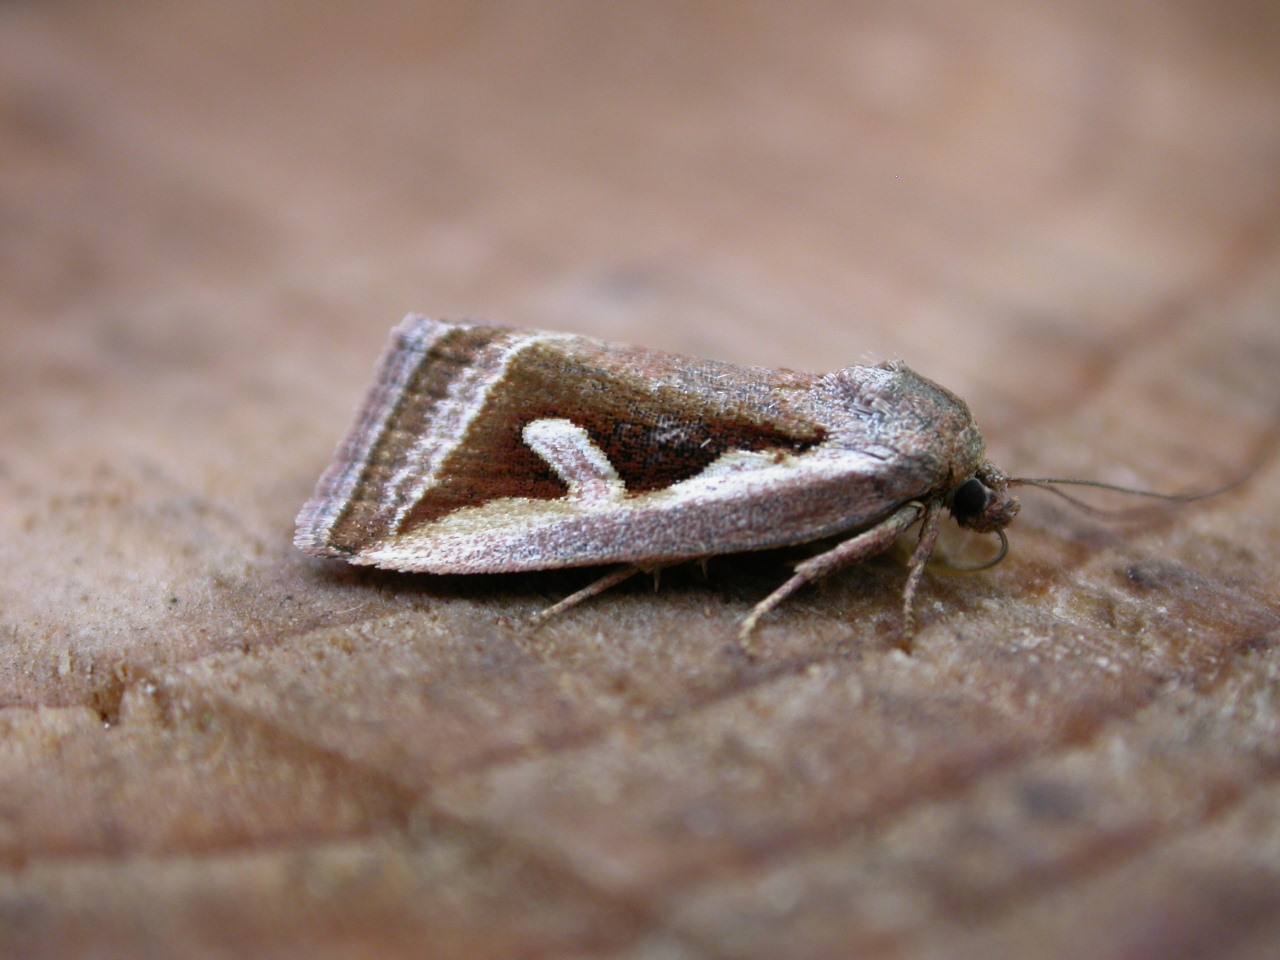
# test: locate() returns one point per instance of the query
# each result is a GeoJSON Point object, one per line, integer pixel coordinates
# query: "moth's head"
{"type": "Point", "coordinates": [983, 501]}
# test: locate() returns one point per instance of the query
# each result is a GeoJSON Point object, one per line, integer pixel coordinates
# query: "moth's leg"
{"type": "Point", "coordinates": [610, 579]}
{"type": "Point", "coordinates": [870, 542]}
{"type": "Point", "coordinates": [569, 450]}
{"type": "Point", "coordinates": [919, 560]}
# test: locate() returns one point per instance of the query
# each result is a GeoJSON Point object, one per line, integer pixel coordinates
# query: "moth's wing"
{"type": "Point", "coordinates": [436, 473]}
{"type": "Point", "coordinates": [743, 501]}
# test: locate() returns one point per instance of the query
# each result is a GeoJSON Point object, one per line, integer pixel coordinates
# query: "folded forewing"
{"type": "Point", "coordinates": [442, 433]}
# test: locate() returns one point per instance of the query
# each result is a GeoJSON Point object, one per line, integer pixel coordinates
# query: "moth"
{"type": "Point", "coordinates": [481, 449]}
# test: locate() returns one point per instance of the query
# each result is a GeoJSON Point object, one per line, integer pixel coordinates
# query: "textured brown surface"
{"type": "Point", "coordinates": [210, 216]}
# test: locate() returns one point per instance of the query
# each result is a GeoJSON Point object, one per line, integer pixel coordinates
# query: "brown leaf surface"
{"type": "Point", "coordinates": [212, 746]}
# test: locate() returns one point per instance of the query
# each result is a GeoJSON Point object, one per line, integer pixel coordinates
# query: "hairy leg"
{"type": "Point", "coordinates": [866, 544]}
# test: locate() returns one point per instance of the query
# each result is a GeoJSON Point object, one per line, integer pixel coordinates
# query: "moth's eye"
{"type": "Point", "coordinates": [970, 498]}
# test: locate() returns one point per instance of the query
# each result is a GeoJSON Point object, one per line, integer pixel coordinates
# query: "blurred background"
{"type": "Point", "coordinates": [872, 174]}
{"type": "Point", "coordinates": [212, 214]}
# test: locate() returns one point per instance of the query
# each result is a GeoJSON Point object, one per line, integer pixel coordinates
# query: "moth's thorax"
{"type": "Point", "coordinates": [893, 409]}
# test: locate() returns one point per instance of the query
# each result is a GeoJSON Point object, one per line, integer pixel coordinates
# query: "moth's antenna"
{"type": "Point", "coordinates": [1049, 484]}
{"type": "Point", "coordinates": [985, 565]}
